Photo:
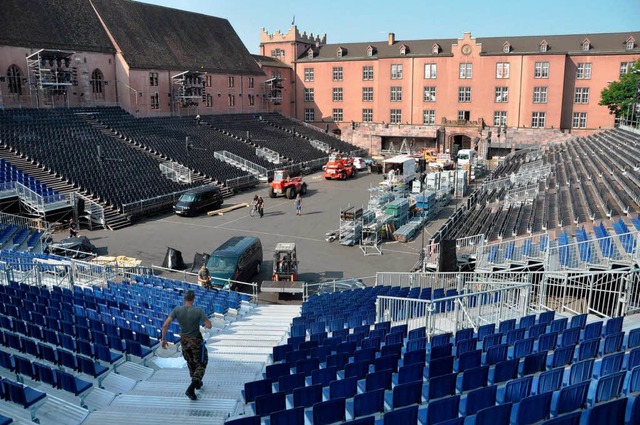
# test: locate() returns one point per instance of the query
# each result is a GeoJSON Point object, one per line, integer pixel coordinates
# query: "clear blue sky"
{"type": "Point", "coordinates": [371, 20]}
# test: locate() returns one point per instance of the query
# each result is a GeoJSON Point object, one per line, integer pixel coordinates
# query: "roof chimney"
{"type": "Point", "coordinates": [317, 44]}
{"type": "Point", "coordinates": [392, 38]}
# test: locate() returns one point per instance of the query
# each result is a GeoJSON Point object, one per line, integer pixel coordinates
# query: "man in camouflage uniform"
{"type": "Point", "coordinates": [193, 347]}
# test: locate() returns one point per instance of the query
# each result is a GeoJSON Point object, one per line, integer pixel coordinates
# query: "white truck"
{"type": "Point", "coordinates": [399, 170]}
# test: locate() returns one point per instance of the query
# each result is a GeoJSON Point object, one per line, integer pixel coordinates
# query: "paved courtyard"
{"type": "Point", "coordinates": [319, 260]}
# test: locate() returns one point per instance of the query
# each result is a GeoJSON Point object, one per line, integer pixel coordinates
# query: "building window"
{"type": "Point", "coordinates": [155, 101]}
{"type": "Point", "coordinates": [367, 94]}
{"type": "Point", "coordinates": [538, 119]}
{"type": "Point", "coordinates": [625, 67]}
{"type": "Point", "coordinates": [466, 70]}
{"type": "Point", "coordinates": [582, 95]}
{"type": "Point", "coordinates": [541, 70]}
{"type": "Point", "coordinates": [252, 100]}
{"type": "Point", "coordinates": [153, 79]}
{"type": "Point", "coordinates": [277, 53]}
{"type": "Point", "coordinates": [309, 95]}
{"type": "Point", "coordinates": [429, 117]}
{"type": "Point", "coordinates": [630, 44]}
{"type": "Point", "coordinates": [339, 53]}
{"type": "Point", "coordinates": [579, 120]}
{"type": "Point", "coordinates": [208, 81]}
{"type": "Point", "coordinates": [586, 46]}
{"type": "Point", "coordinates": [251, 82]}
{"type": "Point", "coordinates": [429, 94]}
{"type": "Point", "coordinates": [337, 115]}
{"type": "Point", "coordinates": [232, 100]}
{"type": "Point", "coordinates": [97, 82]}
{"type": "Point", "coordinates": [502, 94]}
{"type": "Point", "coordinates": [499, 118]}
{"type": "Point", "coordinates": [309, 114]}
{"type": "Point", "coordinates": [367, 73]}
{"type": "Point", "coordinates": [395, 116]}
{"type": "Point", "coordinates": [430, 70]}
{"type": "Point", "coordinates": [544, 46]}
{"type": "Point", "coordinates": [337, 94]}
{"type": "Point", "coordinates": [464, 94]}
{"type": "Point", "coordinates": [337, 73]}
{"type": "Point", "coordinates": [232, 81]}
{"type": "Point", "coordinates": [583, 71]}
{"type": "Point", "coordinates": [539, 95]}
{"type": "Point", "coordinates": [435, 49]}
{"type": "Point", "coordinates": [308, 74]}
{"type": "Point", "coordinates": [396, 72]}
{"type": "Point", "coordinates": [276, 74]}
{"type": "Point", "coordinates": [506, 48]}
{"type": "Point", "coordinates": [310, 53]}
{"type": "Point", "coordinates": [370, 51]}
{"type": "Point", "coordinates": [396, 94]}
{"type": "Point", "coordinates": [464, 115]}
{"type": "Point", "coordinates": [502, 70]}
{"type": "Point", "coordinates": [209, 101]}
{"type": "Point", "coordinates": [367, 115]}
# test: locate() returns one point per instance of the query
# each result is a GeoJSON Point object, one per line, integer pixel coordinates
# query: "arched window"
{"type": "Point", "coordinates": [97, 82]}
{"type": "Point", "coordinates": [14, 75]}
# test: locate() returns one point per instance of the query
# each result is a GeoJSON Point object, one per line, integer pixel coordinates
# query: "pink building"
{"type": "Point", "coordinates": [150, 60]}
{"type": "Point", "coordinates": [448, 92]}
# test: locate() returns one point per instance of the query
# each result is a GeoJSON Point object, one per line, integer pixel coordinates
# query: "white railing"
{"type": "Point", "coordinates": [242, 181]}
{"type": "Point", "coordinates": [322, 146]}
{"type": "Point", "coordinates": [176, 172]}
{"type": "Point", "coordinates": [150, 204]}
{"type": "Point", "coordinates": [478, 304]}
{"type": "Point", "coordinates": [30, 223]}
{"type": "Point", "coordinates": [518, 250]}
{"type": "Point", "coordinates": [245, 164]}
{"type": "Point", "coordinates": [268, 154]}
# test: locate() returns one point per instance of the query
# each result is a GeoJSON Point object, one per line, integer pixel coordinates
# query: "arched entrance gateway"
{"type": "Point", "coordinates": [457, 142]}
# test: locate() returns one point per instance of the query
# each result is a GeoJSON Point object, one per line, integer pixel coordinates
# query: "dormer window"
{"type": "Point", "coordinates": [370, 51]}
{"type": "Point", "coordinates": [630, 43]}
{"type": "Point", "coordinates": [435, 49]}
{"type": "Point", "coordinates": [403, 50]}
{"type": "Point", "coordinates": [506, 47]}
{"type": "Point", "coordinates": [310, 53]}
{"type": "Point", "coordinates": [544, 46]}
{"type": "Point", "coordinates": [586, 45]}
{"type": "Point", "coordinates": [339, 52]}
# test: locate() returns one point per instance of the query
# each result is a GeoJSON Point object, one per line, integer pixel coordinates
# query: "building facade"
{"type": "Point", "coordinates": [451, 91]}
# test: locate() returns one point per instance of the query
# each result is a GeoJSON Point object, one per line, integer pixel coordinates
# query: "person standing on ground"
{"type": "Point", "coordinates": [73, 229]}
{"type": "Point", "coordinates": [298, 204]}
{"type": "Point", "coordinates": [204, 277]}
{"type": "Point", "coordinates": [194, 350]}
{"type": "Point", "coordinates": [260, 205]}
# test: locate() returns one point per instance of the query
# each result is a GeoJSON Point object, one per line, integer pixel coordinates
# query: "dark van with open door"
{"type": "Point", "coordinates": [239, 258]}
{"type": "Point", "coordinates": [195, 201]}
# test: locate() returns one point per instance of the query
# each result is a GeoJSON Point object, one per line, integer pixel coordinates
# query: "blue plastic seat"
{"type": "Point", "coordinates": [465, 346]}
{"type": "Point", "coordinates": [294, 416]}
{"type": "Point", "coordinates": [533, 363]}
{"type": "Point", "coordinates": [536, 330]}
{"type": "Point", "coordinates": [522, 348]}
{"type": "Point", "coordinates": [632, 415]}
{"type": "Point", "coordinates": [46, 374]}
{"type": "Point", "coordinates": [503, 371]}
{"type": "Point", "coordinates": [288, 383]}
{"type": "Point", "coordinates": [441, 339]}
{"type": "Point", "coordinates": [477, 399]}
{"type": "Point", "coordinates": [485, 330]}
{"type": "Point", "coordinates": [441, 386]}
{"type": "Point", "coordinates": [491, 340]}
{"type": "Point", "coordinates": [368, 403]}
{"type": "Point", "coordinates": [612, 343]}
{"type": "Point", "coordinates": [473, 378]}
{"type": "Point", "coordinates": [609, 364]}
{"type": "Point", "coordinates": [633, 339]}
{"type": "Point", "coordinates": [611, 412]}
{"type": "Point", "coordinates": [506, 326]}
{"type": "Point", "coordinates": [494, 415]}
{"type": "Point", "coordinates": [570, 398]}
{"type": "Point", "coordinates": [369, 420]}
{"type": "Point", "coordinates": [363, 354]}
{"type": "Point", "coordinates": [307, 396]}
{"type": "Point", "coordinates": [327, 412]}
{"type": "Point", "coordinates": [324, 376]}
{"type": "Point", "coordinates": [379, 379]}
{"type": "Point", "coordinates": [566, 419]}
{"type": "Point", "coordinates": [515, 390]}
{"type": "Point", "coordinates": [254, 389]}
{"type": "Point", "coordinates": [514, 335]}
{"type": "Point", "coordinates": [276, 370]}
{"type": "Point", "coordinates": [441, 366]}
{"type": "Point", "coordinates": [605, 388]}
{"type": "Point", "coordinates": [73, 384]}
{"type": "Point", "coordinates": [578, 321]}
{"type": "Point", "coordinates": [266, 404]}
{"type": "Point", "coordinates": [532, 409]}
{"type": "Point", "coordinates": [469, 360]}
{"type": "Point", "coordinates": [496, 354]}
{"type": "Point", "coordinates": [417, 333]}
{"type": "Point", "coordinates": [410, 373]}
{"type": "Point", "coordinates": [546, 317]}
{"type": "Point", "coordinates": [343, 388]}
{"type": "Point", "coordinates": [406, 394]}
{"type": "Point", "coordinates": [386, 362]}
{"type": "Point", "coordinates": [558, 325]}
{"type": "Point", "coordinates": [633, 358]}
{"type": "Point", "coordinates": [561, 357]}
{"type": "Point", "coordinates": [440, 410]}
{"type": "Point", "coordinates": [579, 372]}
{"type": "Point", "coordinates": [613, 325]}
{"type": "Point", "coordinates": [439, 351]}
{"type": "Point", "coordinates": [570, 336]}
{"type": "Point", "coordinates": [416, 344]}
{"type": "Point", "coordinates": [25, 396]}
{"type": "Point", "coordinates": [464, 334]}
{"type": "Point", "coordinates": [592, 330]}
{"type": "Point", "coordinates": [415, 356]}
{"type": "Point", "coordinates": [402, 416]}
{"type": "Point", "coordinates": [547, 341]}
{"type": "Point", "coordinates": [549, 381]}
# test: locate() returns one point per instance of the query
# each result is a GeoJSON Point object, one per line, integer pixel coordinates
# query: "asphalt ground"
{"type": "Point", "coordinates": [319, 260]}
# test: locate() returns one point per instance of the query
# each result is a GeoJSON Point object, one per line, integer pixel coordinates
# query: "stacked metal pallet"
{"type": "Point", "coordinates": [399, 209]}
{"type": "Point", "coordinates": [350, 226]}
{"type": "Point", "coordinates": [408, 231]}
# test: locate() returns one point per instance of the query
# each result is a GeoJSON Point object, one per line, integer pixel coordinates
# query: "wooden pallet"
{"type": "Point", "coordinates": [222, 211]}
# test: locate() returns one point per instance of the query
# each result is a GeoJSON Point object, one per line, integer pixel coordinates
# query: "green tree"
{"type": "Point", "coordinates": [620, 96]}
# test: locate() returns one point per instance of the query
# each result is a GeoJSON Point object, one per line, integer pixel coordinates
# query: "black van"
{"type": "Point", "coordinates": [239, 258]}
{"type": "Point", "coordinates": [195, 201]}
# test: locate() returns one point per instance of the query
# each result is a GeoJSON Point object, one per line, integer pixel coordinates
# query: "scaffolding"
{"type": "Point", "coordinates": [350, 225]}
{"type": "Point", "coordinates": [371, 229]}
{"type": "Point", "coordinates": [189, 88]}
{"type": "Point", "coordinates": [272, 91]}
{"type": "Point", "coordinates": [51, 74]}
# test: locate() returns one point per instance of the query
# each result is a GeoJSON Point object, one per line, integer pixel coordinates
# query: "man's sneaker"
{"type": "Point", "coordinates": [199, 385]}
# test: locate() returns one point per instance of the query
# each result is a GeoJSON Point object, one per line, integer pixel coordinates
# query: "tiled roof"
{"type": "Point", "coordinates": [156, 37]}
{"type": "Point", "coordinates": [269, 61]}
{"type": "Point", "coordinates": [52, 24]}
{"type": "Point", "coordinates": [557, 44]}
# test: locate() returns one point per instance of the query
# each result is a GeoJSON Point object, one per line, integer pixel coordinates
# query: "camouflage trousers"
{"type": "Point", "coordinates": [195, 353]}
